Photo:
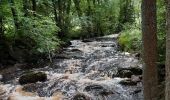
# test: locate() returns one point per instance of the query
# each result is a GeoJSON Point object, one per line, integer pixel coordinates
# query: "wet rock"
{"type": "Point", "coordinates": [66, 44]}
{"type": "Point", "coordinates": [75, 50]}
{"type": "Point", "coordinates": [32, 78]}
{"type": "Point", "coordinates": [125, 74]}
{"type": "Point", "coordinates": [93, 87]}
{"type": "Point", "coordinates": [30, 87]}
{"type": "Point", "coordinates": [1, 77]}
{"type": "Point", "coordinates": [136, 91]}
{"type": "Point", "coordinates": [140, 77]}
{"type": "Point", "coordinates": [136, 78]}
{"type": "Point", "coordinates": [97, 90]}
{"type": "Point", "coordinates": [81, 96]}
{"type": "Point", "coordinates": [3, 93]}
{"type": "Point", "coordinates": [104, 45]}
{"type": "Point", "coordinates": [136, 70]}
{"type": "Point", "coordinates": [138, 55]}
{"type": "Point", "coordinates": [87, 40]}
{"type": "Point", "coordinates": [61, 56]}
{"type": "Point", "coordinates": [128, 82]}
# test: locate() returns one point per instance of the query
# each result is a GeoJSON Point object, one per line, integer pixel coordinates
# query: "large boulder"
{"type": "Point", "coordinates": [32, 77]}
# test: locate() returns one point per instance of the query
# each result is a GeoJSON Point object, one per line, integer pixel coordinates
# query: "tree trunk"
{"type": "Point", "coordinates": [1, 24]}
{"type": "Point", "coordinates": [167, 89]}
{"type": "Point", "coordinates": [60, 19]}
{"type": "Point", "coordinates": [67, 19]}
{"type": "Point", "coordinates": [15, 16]}
{"type": "Point", "coordinates": [34, 6]}
{"type": "Point", "coordinates": [79, 12]}
{"type": "Point", "coordinates": [77, 6]}
{"type": "Point", "coordinates": [55, 12]}
{"type": "Point", "coordinates": [149, 30]}
{"type": "Point", "coordinates": [26, 7]}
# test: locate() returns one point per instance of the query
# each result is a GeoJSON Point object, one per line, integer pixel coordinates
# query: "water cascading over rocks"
{"type": "Point", "coordinates": [93, 69]}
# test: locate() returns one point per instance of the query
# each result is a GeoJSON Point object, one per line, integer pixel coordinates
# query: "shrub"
{"type": "Point", "coordinates": [130, 39]}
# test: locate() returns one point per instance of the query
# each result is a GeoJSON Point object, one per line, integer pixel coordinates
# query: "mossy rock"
{"type": "Point", "coordinates": [32, 77]}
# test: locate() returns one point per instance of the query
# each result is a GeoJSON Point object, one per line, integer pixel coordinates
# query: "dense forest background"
{"type": "Point", "coordinates": [36, 29]}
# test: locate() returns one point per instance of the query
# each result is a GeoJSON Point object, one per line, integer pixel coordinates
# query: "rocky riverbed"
{"type": "Point", "coordinates": [91, 69]}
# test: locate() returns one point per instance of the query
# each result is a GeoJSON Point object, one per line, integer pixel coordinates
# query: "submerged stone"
{"type": "Point", "coordinates": [32, 78]}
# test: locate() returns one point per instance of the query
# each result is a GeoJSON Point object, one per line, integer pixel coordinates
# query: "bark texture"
{"type": "Point", "coordinates": [167, 89]}
{"type": "Point", "coordinates": [149, 30]}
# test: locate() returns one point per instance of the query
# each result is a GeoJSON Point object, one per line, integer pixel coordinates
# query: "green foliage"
{"type": "Point", "coordinates": [42, 31]}
{"type": "Point", "coordinates": [130, 39]}
{"type": "Point", "coordinates": [126, 14]}
{"type": "Point", "coordinates": [161, 25]}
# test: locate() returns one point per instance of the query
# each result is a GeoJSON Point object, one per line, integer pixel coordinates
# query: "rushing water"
{"type": "Point", "coordinates": [83, 71]}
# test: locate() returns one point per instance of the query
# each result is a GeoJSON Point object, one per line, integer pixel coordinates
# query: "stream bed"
{"type": "Point", "coordinates": [92, 69]}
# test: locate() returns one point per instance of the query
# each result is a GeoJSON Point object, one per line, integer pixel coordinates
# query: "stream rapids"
{"type": "Point", "coordinates": [86, 70]}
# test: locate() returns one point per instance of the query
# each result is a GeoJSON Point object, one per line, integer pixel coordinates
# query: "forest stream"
{"type": "Point", "coordinates": [91, 69]}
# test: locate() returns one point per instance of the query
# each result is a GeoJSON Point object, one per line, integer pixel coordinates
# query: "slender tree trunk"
{"type": "Point", "coordinates": [79, 12]}
{"type": "Point", "coordinates": [1, 27]}
{"type": "Point", "coordinates": [78, 9]}
{"type": "Point", "coordinates": [149, 30]}
{"type": "Point", "coordinates": [67, 19]}
{"type": "Point", "coordinates": [55, 12]}
{"type": "Point", "coordinates": [26, 7]}
{"type": "Point", "coordinates": [167, 89]}
{"type": "Point", "coordinates": [89, 17]}
{"type": "Point", "coordinates": [15, 16]}
{"type": "Point", "coordinates": [34, 6]}
{"type": "Point", "coordinates": [60, 20]}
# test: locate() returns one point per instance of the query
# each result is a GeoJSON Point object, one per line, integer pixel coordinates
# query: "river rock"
{"type": "Point", "coordinates": [1, 77]}
{"type": "Point", "coordinates": [87, 40]}
{"type": "Point", "coordinates": [136, 70]}
{"type": "Point", "coordinates": [61, 56]}
{"type": "Point", "coordinates": [97, 90]}
{"type": "Point", "coordinates": [2, 93]}
{"type": "Point", "coordinates": [128, 82]}
{"type": "Point", "coordinates": [125, 73]}
{"type": "Point", "coordinates": [32, 78]}
{"type": "Point", "coordinates": [75, 50]}
{"type": "Point", "coordinates": [80, 96]}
